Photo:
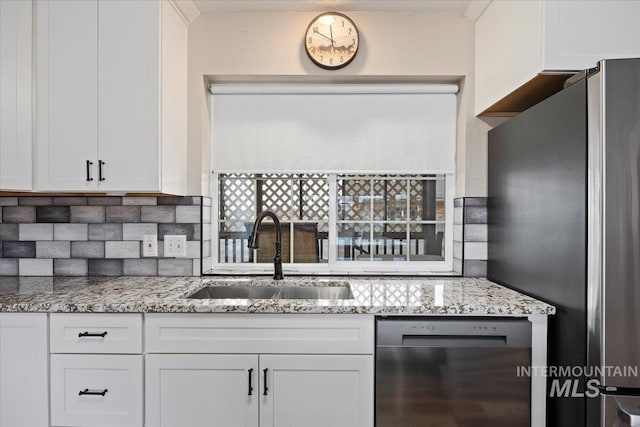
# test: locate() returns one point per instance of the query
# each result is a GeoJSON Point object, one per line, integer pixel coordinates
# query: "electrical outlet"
{"type": "Point", "coordinates": [149, 245]}
{"type": "Point", "coordinates": [175, 246]}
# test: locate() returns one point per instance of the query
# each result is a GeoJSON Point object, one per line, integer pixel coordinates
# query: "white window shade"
{"type": "Point", "coordinates": [334, 128]}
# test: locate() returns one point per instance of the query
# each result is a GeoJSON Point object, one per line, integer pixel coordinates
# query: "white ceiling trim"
{"type": "Point", "coordinates": [454, 6]}
{"type": "Point", "coordinates": [476, 8]}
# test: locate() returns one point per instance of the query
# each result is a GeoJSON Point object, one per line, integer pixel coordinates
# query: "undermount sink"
{"type": "Point", "coordinates": [314, 291]}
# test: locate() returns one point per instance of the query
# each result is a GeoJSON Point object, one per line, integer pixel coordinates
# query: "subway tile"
{"type": "Point", "coordinates": [138, 230]}
{"type": "Point", "coordinates": [10, 284]}
{"type": "Point", "coordinates": [188, 214]}
{"type": "Point", "coordinates": [69, 201]}
{"type": "Point", "coordinates": [475, 233]}
{"type": "Point", "coordinates": [0, 214]}
{"type": "Point", "coordinates": [475, 201]}
{"type": "Point", "coordinates": [196, 271]}
{"type": "Point", "coordinates": [164, 214]}
{"type": "Point", "coordinates": [206, 232]}
{"type": "Point", "coordinates": [206, 248]}
{"type": "Point", "coordinates": [207, 264]}
{"type": "Point", "coordinates": [12, 249]}
{"type": "Point", "coordinates": [70, 231]}
{"type": "Point", "coordinates": [124, 249]}
{"type": "Point", "coordinates": [475, 268]}
{"type": "Point", "coordinates": [87, 214]}
{"type": "Point", "coordinates": [104, 201]}
{"type": "Point", "coordinates": [141, 267]}
{"type": "Point", "coordinates": [8, 231]}
{"type": "Point", "coordinates": [53, 249]}
{"type": "Point", "coordinates": [206, 214]}
{"type": "Point", "coordinates": [8, 266]}
{"type": "Point", "coordinates": [475, 215]}
{"type": "Point", "coordinates": [457, 232]}
{"type": "Point", "coordinates": [8, 201]}
{"type": "Point", "coordinates": [18, 214]}
{"type": "Point", "coordinates": [87, 249]}
{"type": "Point", "coordinates": [457, 249]}
{"type": "Point", "coordinates": [475, 250]}
{"type": "Point", "coordinates": [179, 200]}
{"type": "Point", "coordinates": [35, 232]}
{"type": "Point", "coordinates": [70, 267]}
{"type": "Point", "coordinates": [123, 214]}
{"type": "Point", "coordinates": [206, 201]}
{"type": "Point", "coordinates": [193, 249]}
{"type": "Point", "coordinates": [457, 265]}
{"type": "Point", "coordinates": [35, 267]}
{"type": "Point", "coordinates": [52, 214]}
{"type": "Point", "coordinates": [139, 201]}
{"type": "Point", "coordinates": [34, 201]}
{"type": "Point", "coordinates": [458, 215]}
{"type": "Point", "coordinates": [177, 229]}
{"type": "Point", "coordinates": [105, 231]}
{"type": "Point", "coordinates": [105, 267]}
{"type": "Point", "coordinates": [197, 233]}
{"type": "Point", "coordinates": [458, 202]}
{"type": "Point", "coordinates": [175, 267]}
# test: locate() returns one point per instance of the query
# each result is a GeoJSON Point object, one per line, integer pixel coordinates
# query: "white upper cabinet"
{"type": "Point", "coordinates": [526, 49]}
{"type": "Point", "coordinates": [106, 72]}
{"type": "Point", "coordinates": [15, 94]}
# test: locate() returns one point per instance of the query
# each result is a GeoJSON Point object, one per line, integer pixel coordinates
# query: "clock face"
{"type": "Point", "coordinates": [332, 40]}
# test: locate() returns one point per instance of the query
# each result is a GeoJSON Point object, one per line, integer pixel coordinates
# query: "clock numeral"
{"type": "Point", "coordinates": [350, 30]}
{"type": "Point", "coordinates": [310, 40]}
{"type": "Point", "coordinates": [352, 41]}
{"type": "Point", "coordinates": [331, 61]}
{"type": "Point", "coordinates": [341, 59]}
{"type": "Point", "coordinates": [321, 58]}
{"type": "Point", "coordinates": [343, 23]}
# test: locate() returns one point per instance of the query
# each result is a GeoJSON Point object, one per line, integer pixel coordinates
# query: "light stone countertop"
{"type": "Point", "coordinates": [372, 295]}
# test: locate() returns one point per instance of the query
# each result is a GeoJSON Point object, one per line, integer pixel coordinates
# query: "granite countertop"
{"type": "Point", "coordinates": [375, 295]}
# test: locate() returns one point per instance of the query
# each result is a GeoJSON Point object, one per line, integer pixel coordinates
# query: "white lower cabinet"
{"type": "Point", "coordinates": [96, 390]}
{"type": "Point", "coordinates": [266, 390]}
{"type": "Point", "coordinates": [23, 370]}
{"type": "Point", "coordinates": [267, 370]}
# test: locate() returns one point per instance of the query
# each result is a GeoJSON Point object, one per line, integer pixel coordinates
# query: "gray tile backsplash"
{"type": "Point", "coordinates": [100, 236]}
{"type": "Point", "coordinates": [470, 236]}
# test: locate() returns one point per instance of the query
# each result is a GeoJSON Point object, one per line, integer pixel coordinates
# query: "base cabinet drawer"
{"type": "Point", "coordinates": [96, 333]}
{"type": "Point", "coordinates": [96, 390]}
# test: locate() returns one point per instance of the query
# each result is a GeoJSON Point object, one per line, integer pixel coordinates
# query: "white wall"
{"type": "Point", "coordinates": [394, 47]}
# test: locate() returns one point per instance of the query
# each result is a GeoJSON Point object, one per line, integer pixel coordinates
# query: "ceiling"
{"type": "Point", "coordinates": [453, 6]}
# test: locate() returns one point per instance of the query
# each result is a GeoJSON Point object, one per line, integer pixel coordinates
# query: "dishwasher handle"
{"type": "Point", "coordinates": [393, 332]}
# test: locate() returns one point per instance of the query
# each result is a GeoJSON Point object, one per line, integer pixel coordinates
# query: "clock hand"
{"type": "Point", "coordinates": [333, 44]}
{"type": "Point", "coordinates": [322, 35]}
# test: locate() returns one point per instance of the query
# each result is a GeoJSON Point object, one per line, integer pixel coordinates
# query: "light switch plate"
{"type": "Point", "coordinates": [175, 246]}
{"type": "Point", "coordinates": [149, 245]}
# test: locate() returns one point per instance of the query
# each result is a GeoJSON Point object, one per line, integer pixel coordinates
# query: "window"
{"type": "Point", "coordinates": [361, 176]}
{"type": "Point", "coordinates": [336, 223]}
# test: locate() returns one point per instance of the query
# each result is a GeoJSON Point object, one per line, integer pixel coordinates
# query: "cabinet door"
{"type": "Point", "coordinates": [129, 95]}
{"type": "Point", "coordinates": [66, 94]}
{"type": "Point", "coordinates": [24, 399]}
{"type": "Point", "coordinates": [316, 391]}
{"type": "Point", "coordinates": [15, 94]}
{"type": "Point", "coordinates": [201, 390]}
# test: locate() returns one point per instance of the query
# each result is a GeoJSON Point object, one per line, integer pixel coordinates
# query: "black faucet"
{"type": "Point", "coordinates": [254, 244]}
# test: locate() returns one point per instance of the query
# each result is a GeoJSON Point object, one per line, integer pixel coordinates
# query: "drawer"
{"type": "Point", "coordinates": [78, 380]}
{"type": "Point", "coordinates": [96, 333]}
{"type": "Point", "coordinates": [258, 333]}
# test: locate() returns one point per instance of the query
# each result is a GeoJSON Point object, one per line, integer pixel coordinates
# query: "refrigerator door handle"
{"type": "Point", "coordinates": [629, 416]}
{"type": "Point", "coordinates": [620, 391]}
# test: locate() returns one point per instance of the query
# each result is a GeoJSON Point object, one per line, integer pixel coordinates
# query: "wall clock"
{"type": "Point", "coordinates": [331, 40]}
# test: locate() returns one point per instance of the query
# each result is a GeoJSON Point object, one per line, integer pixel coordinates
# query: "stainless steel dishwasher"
{"type": "Point", "coordinates": [452, 372]}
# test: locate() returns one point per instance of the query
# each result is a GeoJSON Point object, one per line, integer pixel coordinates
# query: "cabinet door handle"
{"type": "Point", "coordinates": [92, 334]}
{"type": "Point", "coordinates": [87, 392]}
{"type": "Point", "coordinates": [89, 164]}
{"type": "Point", "coordinates": [100, 164]}
{"type": "Point", "coordinates": [266, 389]}
{"type": "Point", "coordinates": [250, 386]}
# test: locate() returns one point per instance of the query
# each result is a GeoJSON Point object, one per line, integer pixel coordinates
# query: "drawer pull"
{"type": "Point", "coordinates": [87, 392]}
{"type": "Point", "coordinates": [250, 385]}
{"type": "Point", "coordinates": [92, 334]}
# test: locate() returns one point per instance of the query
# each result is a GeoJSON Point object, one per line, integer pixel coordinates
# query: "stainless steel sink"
{"type": "Point", "coordinates": [335, 290]}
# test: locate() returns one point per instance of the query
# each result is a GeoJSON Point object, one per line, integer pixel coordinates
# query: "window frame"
{"type": "Point", "coordinates": [334, 266]}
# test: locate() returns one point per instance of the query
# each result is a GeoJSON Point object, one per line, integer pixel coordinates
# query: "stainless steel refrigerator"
{"type": "Point", "coordinates": [564, 226]}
